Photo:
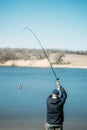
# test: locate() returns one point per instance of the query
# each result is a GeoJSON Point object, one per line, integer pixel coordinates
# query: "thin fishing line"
{"type": "Point", "coordinates": [27, 28]}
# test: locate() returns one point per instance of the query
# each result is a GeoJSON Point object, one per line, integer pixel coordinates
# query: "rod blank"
{"type": "Point", "coordinates": [27, 28]}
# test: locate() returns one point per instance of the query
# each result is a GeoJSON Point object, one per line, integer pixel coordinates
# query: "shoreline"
{"type": "Point", "coordinates": [37, 64]}
{"type": "Point", "coordinates": [69, 61]}
{"type": "Point", "coordinates": [54, 66]}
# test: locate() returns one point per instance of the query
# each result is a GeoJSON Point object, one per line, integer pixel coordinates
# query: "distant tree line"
{"type": "Point", "coordinates": [81, 52]}
{"type": "Point", "coordinates": [28, 54]}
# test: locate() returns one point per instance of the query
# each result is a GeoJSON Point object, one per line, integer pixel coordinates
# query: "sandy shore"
{"type": "Point", "coordinates": [70, 61]}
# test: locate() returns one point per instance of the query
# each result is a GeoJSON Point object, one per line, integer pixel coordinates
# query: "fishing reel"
{"type": "Point", "coordinates": [58, 82]}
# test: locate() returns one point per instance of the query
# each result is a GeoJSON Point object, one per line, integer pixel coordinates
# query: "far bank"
{"type": "Point", "coordinates": [69, 61]}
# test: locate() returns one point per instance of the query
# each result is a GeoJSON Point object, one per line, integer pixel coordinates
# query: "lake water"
{"type": "Point", "coordinates": [25, 109]}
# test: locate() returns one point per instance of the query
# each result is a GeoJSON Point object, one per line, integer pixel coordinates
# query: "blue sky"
{"type": "Point", "coordinates": [59, 24]}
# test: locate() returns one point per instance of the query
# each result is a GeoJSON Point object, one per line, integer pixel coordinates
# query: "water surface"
{"type": "Point", "coordinates": [25, 109]}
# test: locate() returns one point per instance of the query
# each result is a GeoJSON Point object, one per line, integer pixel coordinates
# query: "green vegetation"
{"type": "Point", "coordinates": [56, 56]}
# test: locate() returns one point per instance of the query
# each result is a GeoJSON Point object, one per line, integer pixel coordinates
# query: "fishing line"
{"type": "Point", "coordinates": [27, 28]}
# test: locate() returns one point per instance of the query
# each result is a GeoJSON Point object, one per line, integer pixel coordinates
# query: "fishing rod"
{"type": "Point", "coordinates": [29, 29]}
